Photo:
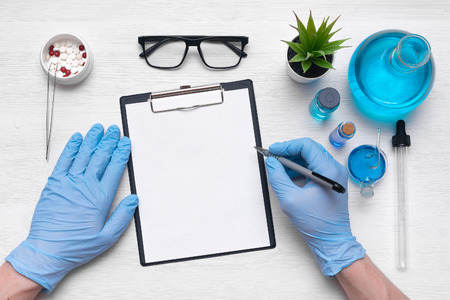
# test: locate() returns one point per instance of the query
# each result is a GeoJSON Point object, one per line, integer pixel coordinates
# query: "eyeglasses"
{"type": "Point", "coordinates": [216, 52]}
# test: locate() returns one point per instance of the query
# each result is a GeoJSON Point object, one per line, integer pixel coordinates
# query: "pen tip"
{"type": "Point", "coordinates": [260, 150]}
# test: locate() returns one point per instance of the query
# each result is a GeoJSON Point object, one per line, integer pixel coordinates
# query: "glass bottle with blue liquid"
{"type": "Point", "coordinates": [367, 165]}
{"type": "Point", "coordinates": [324, 103]}
{"type": "Point", "coordinates": [390, 74]}
{"type": "Point", "coordinates": [342, 133]}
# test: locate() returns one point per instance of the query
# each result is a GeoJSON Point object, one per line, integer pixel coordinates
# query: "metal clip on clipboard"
{"type": "Point", "coordinates": [159, 106]}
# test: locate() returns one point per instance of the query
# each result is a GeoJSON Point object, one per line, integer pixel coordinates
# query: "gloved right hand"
{"type": "Point", "coordinates": [319, 214]}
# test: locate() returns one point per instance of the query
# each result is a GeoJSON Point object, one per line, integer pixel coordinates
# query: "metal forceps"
{"type": "Point", "coordinates": [49, 112]}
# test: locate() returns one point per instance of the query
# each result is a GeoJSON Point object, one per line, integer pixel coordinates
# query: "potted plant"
{"type": "Point", "coordinates": [311, 54]}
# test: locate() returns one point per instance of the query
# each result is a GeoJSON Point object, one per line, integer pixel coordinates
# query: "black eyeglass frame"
{"type": "Point", "coordinates": [192, 40]}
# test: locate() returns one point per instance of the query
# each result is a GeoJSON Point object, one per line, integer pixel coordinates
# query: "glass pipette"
{"type": "Point", "coordinates": [376, 151]}
{"type": "Point", "coordinates": [400, 141]}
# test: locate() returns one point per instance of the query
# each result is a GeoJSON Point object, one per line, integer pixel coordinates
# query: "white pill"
{"type": "Point", "coordinates": [63, 63]}
{"type": "Point", "coordinates": [52, 67]}
{"type": "Point", "coordinates": [69, 43]}
{"type": "Point", "coordinates": [72, 56]}
{"type": "Point", "coordinates": [75, 63]}
{"type": "Point", "coordinates": [54, 60]}
{"type": "Point", "coordinates": [62, 49]}
{"type": "Point", "coordinates": [64, 56]}
{"type": "Point", "coordinates": [56, 49]}
{"type": "Point", "coordinates": [68, 66]}
{"type": "Point", "coordinates": [63, 43]}
{"type": "Point", "coordinates": [76, 50]}
{"type": "Point", "coordinates": [69, 50]}
{"type": "Point", "coordinates": [48, 57]}
{"type": "Point", "coordinates": [79, 56]}
{"type": "Point", "coordinates": [56, 45]}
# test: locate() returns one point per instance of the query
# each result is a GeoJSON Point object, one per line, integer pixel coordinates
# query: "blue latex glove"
{"type": "Point", "coordinates": [319, 214]}
{"type": "Point", "coordinates": [69, 226]}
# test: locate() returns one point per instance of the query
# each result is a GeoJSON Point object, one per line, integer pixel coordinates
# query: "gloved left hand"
{"type": "Point", "coordinates": [69, 226]}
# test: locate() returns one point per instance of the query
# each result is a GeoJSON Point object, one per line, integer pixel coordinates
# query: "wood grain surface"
{"type": "Point", "coordinates": [289, 271]}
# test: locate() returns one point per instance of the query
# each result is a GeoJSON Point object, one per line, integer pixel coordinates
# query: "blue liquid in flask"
{"type": "Point", "coordinates": [390, 74]}
{"type": "Point", "coordinates": [366, 167]}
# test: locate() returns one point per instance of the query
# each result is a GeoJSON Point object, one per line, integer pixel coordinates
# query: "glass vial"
{"type": "Point", "coordinates": [324, 103]}
{"type": "Point", "coordinates": [342, 133]}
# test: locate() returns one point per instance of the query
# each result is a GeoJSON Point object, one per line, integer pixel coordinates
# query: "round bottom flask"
{"type": "Point", "coordinates": [390, 74]}
{"type": "Point", "coordinates": [366, 166]}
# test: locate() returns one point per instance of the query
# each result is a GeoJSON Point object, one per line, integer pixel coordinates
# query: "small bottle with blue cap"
{"type": "Point", "coordinates": [324, 103]}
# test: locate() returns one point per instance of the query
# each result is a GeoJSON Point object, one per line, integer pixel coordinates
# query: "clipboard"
{"type": "Point", "coordinates": [202, 187]}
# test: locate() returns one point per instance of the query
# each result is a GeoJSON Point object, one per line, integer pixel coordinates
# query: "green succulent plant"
{"type": "Point", "coordinates": [314, 44]}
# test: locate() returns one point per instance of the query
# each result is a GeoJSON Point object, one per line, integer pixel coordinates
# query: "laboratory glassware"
{"type": "Point", "coordinates": [366, 166]}
{"type": "Point", "coordinates": [324, 103]}
{"type": "Point", "coordinates": [390, 74]}
{"type": "Point", "coordinates": [400, 141]}
{"type": "Point", "coordinates": [342, 133]}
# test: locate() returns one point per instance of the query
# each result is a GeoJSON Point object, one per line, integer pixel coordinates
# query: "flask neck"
{"type": "Point", "coordinates": [413, 51]}
{"type": "Point", "coordinates": [366, 188]}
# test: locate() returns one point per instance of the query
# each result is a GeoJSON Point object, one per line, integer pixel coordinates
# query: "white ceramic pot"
{"type": "Point", "coordinates": [300, 79]}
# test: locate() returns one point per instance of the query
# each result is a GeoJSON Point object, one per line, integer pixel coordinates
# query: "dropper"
{"type": "Point", "coordinates": [400, 141]}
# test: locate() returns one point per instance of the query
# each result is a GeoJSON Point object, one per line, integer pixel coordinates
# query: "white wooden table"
{"type": "Point", "coordinates": [289, 271]}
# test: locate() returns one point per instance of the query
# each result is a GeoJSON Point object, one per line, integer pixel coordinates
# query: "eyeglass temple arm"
{"type": "Point", "coordinates": [153, 48]}
{"type": "Point", "coordinates": [235, 49]}
{"type": "Point", "coordinates": [228, 44]}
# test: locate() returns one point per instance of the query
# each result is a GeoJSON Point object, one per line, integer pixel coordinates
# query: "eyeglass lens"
{"type": "Point", "coordinates": [168, 53]}
{"type": "Point", "coordinates": [219, 53]}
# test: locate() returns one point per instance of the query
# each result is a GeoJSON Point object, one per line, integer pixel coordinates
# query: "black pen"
{"type": "Point", "coordinates": [327, 182]}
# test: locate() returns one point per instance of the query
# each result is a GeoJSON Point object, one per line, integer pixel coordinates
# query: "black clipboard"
{"type": "Point", "coordinates": [229, 86]}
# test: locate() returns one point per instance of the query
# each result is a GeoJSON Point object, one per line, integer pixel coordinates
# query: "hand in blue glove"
{"type": "Point", "coordinates": [319, 214]}
{"type": "Point", "coordinates": [69, 226]}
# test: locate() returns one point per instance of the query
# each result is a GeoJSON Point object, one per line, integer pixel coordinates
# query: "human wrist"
{"type": "Point", "coordinates": [334, 255]}
{"type": "Point", "coordinates": [46, 270]}
{"type": "Point", "coordinates": [14, 285]}
{"type": "Point", "coordinates": [363, 280]}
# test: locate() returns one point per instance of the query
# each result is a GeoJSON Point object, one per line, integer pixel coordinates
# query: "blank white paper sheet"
{"type": "Point", "coordinates": [197, 177]}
